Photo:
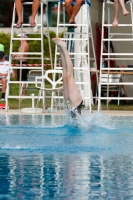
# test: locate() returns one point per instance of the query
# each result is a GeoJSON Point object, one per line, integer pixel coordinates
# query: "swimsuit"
{"type": "Point", "coordinates": [76, 110]}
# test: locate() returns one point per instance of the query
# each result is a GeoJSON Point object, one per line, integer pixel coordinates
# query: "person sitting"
{"type": "Point", "coordinates": [72, 10]}
{"type": "Point", "coordinates": [24, 48]}
{"type": "Point", "coordinates": [117, 4]}
{"type": "Point", "coordinates": [35, 7]}
{"type": "Point", "coordinates": [71, 94]}
{"type": "Point", "coordinates": [4, 68]}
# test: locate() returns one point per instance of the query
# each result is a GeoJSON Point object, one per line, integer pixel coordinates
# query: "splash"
{"type": "Point", "coordinates": [90, 120]}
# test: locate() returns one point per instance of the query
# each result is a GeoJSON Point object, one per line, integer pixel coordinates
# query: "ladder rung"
{"type": "Point", "coordinates": [115, 68]}
{"type": "Point", "coordinates": [122, 72]}
{"type": "Point", "coordinates": [117, 54]}
{"type": "Point", "coordinates": [81, 68]}
{"type": "Point", "coordinates": [61, 97]}
{"type": "Point", "coordinates": [27, 53]}
{"type": "Point", "coordinates": [58, 97]}
{"type": "Point", "coordinates": [119, 39]}
{"type": "Point", "coordinates": [120, 83]}
{"type": "Point", "coordinates": [116, 98]}
{"type": "Point", "coordinates": [26, 38]}
{"type": "Point", "coordinates": [30, 3]}
{"type": "Point", "coordinates": [79, 33]}
{"type": "Point", "coordinates": [29, 82]}
{"type": "Point", "coordinates": [72, 25]}
{"type": "Point", "coordinates": [27, 97]}
{"type": "Point", "coordinates": [23, 97]}
{"type": "Point", "coordinates": [121, 34]}
{"type": "Point", "coordinates": [28, 58]}
{"type": "Point", "coordinates": [81, 53]}
{"type": "Point", "coordinates": [118, 58]}
{"type": "Point", "coordinates": [27, 25]}
{"type": "Point", "coordinates": [26, 67]}
{"type": "Point", "coordinates": [83, 83]}
{"type": "Point", "coordinates": [118, 25]}
{"type": "Point", "coordinates": [74, 39]}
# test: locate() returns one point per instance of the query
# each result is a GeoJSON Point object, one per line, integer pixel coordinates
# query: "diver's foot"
{"type": "Point", "coordinates": [59, 42]}
{"type": "Point", "coordinates": [125, 12]}
{"type": "Point", "coordinates": [76, 111]}
{"type": "Point", "coordinates": [115, 22]}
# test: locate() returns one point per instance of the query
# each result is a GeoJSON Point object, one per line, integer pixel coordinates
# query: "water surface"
{"type": "Point", "coordinates": [52, 157]}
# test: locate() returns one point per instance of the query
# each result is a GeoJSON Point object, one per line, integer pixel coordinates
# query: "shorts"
{"type": "Point", "coordinates": [125, 1]}
{"type": "Point", "coordinates": [2, 77]}
{"type": "Point", "coordinates": [24, 73]}
{"type": "Point", "coordinates": [27, 0]}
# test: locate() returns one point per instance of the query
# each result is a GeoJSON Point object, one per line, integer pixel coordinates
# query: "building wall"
{"type": "Point", "coordinates": [95, 15]}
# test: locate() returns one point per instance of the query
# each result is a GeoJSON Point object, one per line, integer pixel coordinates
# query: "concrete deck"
{"type": "Point", "coordinates": [62, 112]}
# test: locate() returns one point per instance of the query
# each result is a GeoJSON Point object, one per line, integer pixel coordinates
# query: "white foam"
{"type": "Point", "coordinates": [91, 120]}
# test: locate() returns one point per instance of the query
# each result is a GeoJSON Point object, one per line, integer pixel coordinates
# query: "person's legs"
{"type": "Point", "coordinates": [122, 3]}
{"type": "Point", "coordinates": [24, 78]}
{"type": "Point", "coordinates": [18, 4]}
{"type": "Point", "coordinates": [3, 81]}
{"type": "Point", "coordinates": [68, 7]}
{"type": "Point", "coordinates": [35, 7]}
{"type": "Point", "coordinates": [65, 89]}
{"type": "Point", "coordinates": [76, 9]}
{"type": "Point", "coordinates": [73, 92]}
{"type": "Point", "coordinates": [116, 12]}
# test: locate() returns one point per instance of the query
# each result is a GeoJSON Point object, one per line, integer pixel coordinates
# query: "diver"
{"type": "Point", "coordinates": [72, 96]}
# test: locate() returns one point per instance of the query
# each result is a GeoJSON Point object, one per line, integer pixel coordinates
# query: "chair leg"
{"type": "Point", "coordinates": [37, 100]}
{"type": "Point", "coordinates": [118, 96]}
{"type": "Point", "coordinates": [43, 101]}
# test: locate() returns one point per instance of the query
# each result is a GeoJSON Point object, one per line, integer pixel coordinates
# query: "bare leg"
{"type": "Point", "coordinates": [122, 3]}
{"type": "Point", "coordinates": [24, 92]}
{"type": "Point", "coordinates": [3, 81]}
{"type": "Point", "coordinates": [35, 7]}
{"type": "Point", "coordinates": [18, 4]}
{"type": "Point", "coordinates": [65, 89]}
{"type": "Point", "coordinates": [76, 9]}
{"type": "Point", "coordinates": [68, 7]}
{"type": "Point", "coordinates": [72, 90]}
{"type": "Point", "coordinates": [116, 12]}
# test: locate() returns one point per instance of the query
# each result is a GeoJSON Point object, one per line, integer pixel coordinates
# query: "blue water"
{"type": "Point", "coordinates": [53, 157]}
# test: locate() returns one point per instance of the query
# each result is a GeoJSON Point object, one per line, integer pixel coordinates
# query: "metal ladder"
{"type": "Point", "coordinates": [116, 56]}
{"type": "Point", "coordinates": [80, 40]}
{"type": "Point", "coordinates": [34, 55]}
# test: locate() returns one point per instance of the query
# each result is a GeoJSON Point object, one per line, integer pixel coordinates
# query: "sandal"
{"type": "Point", "coordinates": [73, 26]}
{"type": "Point", "coordinates": [18, 25]}
{"type": "Point", "coordinates": [32, 24]}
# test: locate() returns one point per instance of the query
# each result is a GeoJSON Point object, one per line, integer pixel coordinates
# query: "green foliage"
{"type": "Point", "coordinates": [5, 40]}
{"type": "Point", "coordinates": [35, 45]}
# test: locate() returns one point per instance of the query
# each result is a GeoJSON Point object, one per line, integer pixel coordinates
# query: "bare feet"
{"type": "Point", "coordinates": [115, 22]}
{"type": "Point", "coordinates": [125, 12]}
{"type": "Point", "coordinates": [19, 24]}
{"type": "Point", "coordinates": [59, 42]}
{"type": "Point", "coordinates": [32, 22]}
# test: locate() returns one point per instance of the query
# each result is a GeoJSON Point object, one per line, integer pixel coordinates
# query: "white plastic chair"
{"type": "Point", "coordinates": [54, 84]}
{"type": "Point", "coordinates": [111, 78]}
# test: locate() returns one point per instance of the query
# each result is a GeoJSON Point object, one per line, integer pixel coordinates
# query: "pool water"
{"type": "Point", "coordinates": [53, 157]}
